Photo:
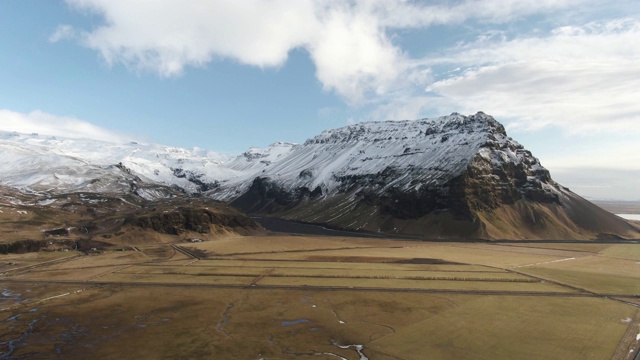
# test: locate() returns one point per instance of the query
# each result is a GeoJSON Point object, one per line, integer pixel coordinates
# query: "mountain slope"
{"type": "Point", "coordinates": [44, 163]}
{"type": "Point", "coordinates": [88, 220]}
{"type": "Point", "coordinates": [79, 193]}
{"type": "Point", "coordinates": [455, 176]}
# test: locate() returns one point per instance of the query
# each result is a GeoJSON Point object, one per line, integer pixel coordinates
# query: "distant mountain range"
{"type": "Point", "coordinates": [454, 176]}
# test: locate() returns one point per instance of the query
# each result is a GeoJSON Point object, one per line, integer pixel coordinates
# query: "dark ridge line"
{"type": "Point", "coordinates": [308, 250]}
{"type": "Point", "coordinates": [277, 225]}
{"type": "Point", "coordinates": [28, 268]}
{"type": "Point", "coordinates": [352, 277]}
{"type": "Point", "coordinates": [185, 252]}
{"type": "Point", "coordinates": [325, 288]}
{"type": "Point", "coordinates": [300, 267]}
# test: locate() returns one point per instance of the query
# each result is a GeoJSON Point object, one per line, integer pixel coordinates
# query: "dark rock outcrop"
{"type": "Point", "coordinates": [199, 220]}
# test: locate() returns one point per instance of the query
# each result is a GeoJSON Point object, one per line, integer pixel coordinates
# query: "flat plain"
{"type": "Point", "coordinates": [281, 296]}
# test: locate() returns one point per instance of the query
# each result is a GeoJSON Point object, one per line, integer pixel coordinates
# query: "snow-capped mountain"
{"type": "Point", "coordinates": [410, 155]}
{"type": "Point", "coordinates": [40, 163]}
{"type": "Point", "coordinates": [451, 176]}
{"type": "Point", "coordinates": [247, 166]}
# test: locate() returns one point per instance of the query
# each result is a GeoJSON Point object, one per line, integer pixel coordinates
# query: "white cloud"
{"type": "Point", "coordinates": [62, 32]}
{"type": "Point", "coordinates": [347, 40]}
{"type": "Point", "coordinates": [53, 125]}
{"type": "Point", "coordinates": [354, 57]}
{"type": "Point", "coordinates": [166, 36]}
{"type": "Point", "coordinates": [408, 14]}
{"type": "Point", "coordinates": [581, 79]}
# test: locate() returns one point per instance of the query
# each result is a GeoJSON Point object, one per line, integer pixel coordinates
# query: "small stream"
{"type": "Point", "coordinates": [358, 348]}
{"type": "Point", "coordinates": [225, 319]}
{"type": "Point", "coordinates": [12, 344]}
{"type": "Point", "coordinates": [294, 322]}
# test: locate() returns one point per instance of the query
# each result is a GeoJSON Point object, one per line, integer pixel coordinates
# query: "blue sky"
{"type": "Point", "coordinates": [562, 75]}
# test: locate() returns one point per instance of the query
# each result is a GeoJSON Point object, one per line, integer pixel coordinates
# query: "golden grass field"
{"type": "Point", "coordinates": [285, 297]}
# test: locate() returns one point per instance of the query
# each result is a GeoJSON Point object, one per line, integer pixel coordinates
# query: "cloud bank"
{"type": "Point", "coordinates": [53, 125]}
{"type": "Point", "coordinates": [350, 42]}
{"type": "Point", "coordinates": [580, 78]}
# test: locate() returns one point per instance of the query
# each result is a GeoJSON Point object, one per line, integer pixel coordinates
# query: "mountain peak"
{"type": "Point", "coordinates": [404, 129]}
{"type": "Point", "coordinates": [454, 175]}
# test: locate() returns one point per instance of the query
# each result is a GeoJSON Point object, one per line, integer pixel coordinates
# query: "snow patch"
{"type": "Point", "coordinates": [635, 217]}
{"type": "Point", "coordinates": [56, 296]}
{"type": "Point", "coordinates": [545, 262]}
{"type": "Point", "coordinates": [358, 349]}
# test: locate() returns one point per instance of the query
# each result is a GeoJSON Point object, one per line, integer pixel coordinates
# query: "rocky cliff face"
{"type": "Point", "coordinates": [449, 176]}
{"type": "Point", "coordinates": [191, 219]}
{"type": "Point", "coordinates": [106, 221]}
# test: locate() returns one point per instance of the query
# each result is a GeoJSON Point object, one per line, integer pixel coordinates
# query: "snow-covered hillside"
{"type": "Point", "coordinates": [45, 163]}
{"type": "Point", "coordinates": [382, 158]}
{"type": "Point", "coordinates": [452, 176]}
{"type": "Point", "coordinates": [424, 153]}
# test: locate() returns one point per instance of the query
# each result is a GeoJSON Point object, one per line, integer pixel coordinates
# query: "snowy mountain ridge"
{"type": "Point", "coordinates": [455, 175]}
{"type": "Point", "coordinates": [369, 174]}
{"type": "Point", "coordinates": [427, 153]}
{"type": "Point", "coordinates": [36, 162]}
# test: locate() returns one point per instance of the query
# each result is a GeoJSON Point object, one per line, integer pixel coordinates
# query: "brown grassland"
{"type": "Point", "coordinates": [317, 297]}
